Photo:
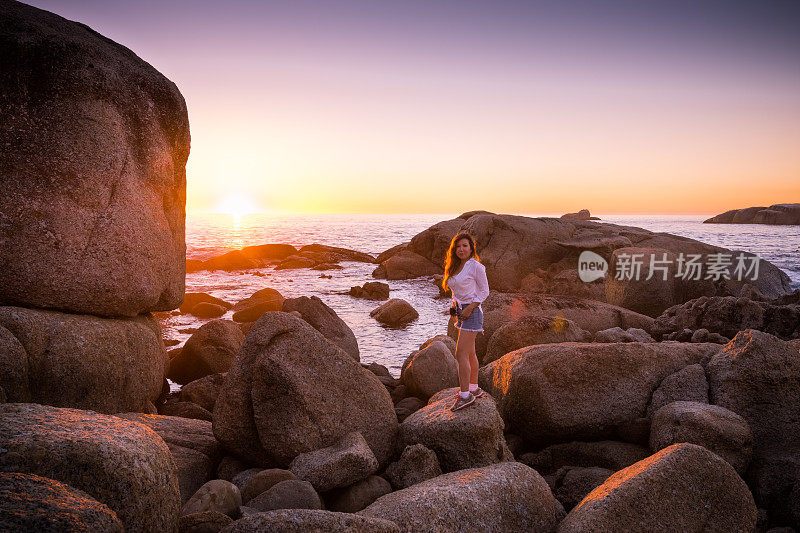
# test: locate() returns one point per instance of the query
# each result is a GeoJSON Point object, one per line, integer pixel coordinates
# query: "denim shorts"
{"type": "Point", "coordinates": [473, 323]}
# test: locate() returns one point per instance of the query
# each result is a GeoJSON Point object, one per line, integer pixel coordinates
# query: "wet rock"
{"type": "Point", "coordinates": [710, 426]}
{"type": "Point", "coordinates": [501, 497]}
{"type": "Point", "coordinates": [326, 321]}
{"type": "Point", "coordinates": [207, 310]}
{"type": "Point", "coordinates": [371, 290]}
{"type": "Point", "coordinates": [34, 503]}
{"type": "Point", "coordinates": [272, 408]}
{"type": "Point", "coordinates": [697, 490]}
{"type": "Point", "coordinates": [121, 464]}
{"type": "Point", "coordinates": [395, 312]}
{"type": "Point", "coordinates": [80, 361]}
{"type": "Point", "coordinates": [94, 171]}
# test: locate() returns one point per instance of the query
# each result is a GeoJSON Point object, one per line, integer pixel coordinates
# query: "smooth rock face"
{"type": "Point", "coordinates": [33, 503]}
{"type": "Point", "coordinates": [757, 376]}
{"type": "Point", "coordinates": [469, 438]}
{"type": "Point", "coordinates": [342, 464]}
{"type": "Point", "coordinates": [82, 361]}
{"type": "Point", "coordinates": [697, 491]}
{"type": "Point", "coordinates": [557, 392]}
{"type": "Point", "coordinates": [292, 391]}
{"type": "Point", "coordinates": [713, 427]}
{"type": "Point", "coordinates": [502, 497]}
{"type": "Point", "coordinates": [430, 370]}
{"type": "Point", "coordinates": [306, 520]}
{"type": "Point", "coordinates": [122, 464]}
{"type": "Point", "coordinates": [210, 350]}
{"type": "Point", "coordinates": [95, 143]}
{"type": "Point", "coordinates": [326, 321]}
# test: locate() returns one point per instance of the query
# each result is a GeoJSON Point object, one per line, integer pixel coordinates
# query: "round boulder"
{"type": "Point", "coordinates": [210, 350]}
{"type": "Point", "coordinates": [95, 142]}
{"type": "Point", "coordinates": [429, 370]}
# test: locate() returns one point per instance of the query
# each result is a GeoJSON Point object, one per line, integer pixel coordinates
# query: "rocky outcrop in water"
{"type": "Point", "coordinates": [777, 214]}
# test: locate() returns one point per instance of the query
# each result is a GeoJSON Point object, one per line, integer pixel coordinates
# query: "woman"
{"type": "Point", "coordinates": [465, 276]}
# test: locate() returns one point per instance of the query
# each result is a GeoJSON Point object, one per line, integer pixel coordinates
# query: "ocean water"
{"type": "Point", "coordinates": [211, 234]}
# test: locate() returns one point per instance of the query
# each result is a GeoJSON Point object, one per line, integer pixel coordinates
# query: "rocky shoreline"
{"type": "Point", "coordinates": [666, 403]}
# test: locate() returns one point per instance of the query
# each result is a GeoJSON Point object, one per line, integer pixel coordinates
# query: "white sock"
{"type": "Point", "coordinates": [464, 395]}
{"type": "Point", "coordinates": [473, 387]}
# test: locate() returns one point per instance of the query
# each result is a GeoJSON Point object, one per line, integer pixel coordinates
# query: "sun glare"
{"type": "Point", "coordinates": [236, 205]}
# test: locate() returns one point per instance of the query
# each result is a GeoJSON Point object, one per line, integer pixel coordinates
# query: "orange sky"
{"type": "Point", "coordinates": [514, 108]}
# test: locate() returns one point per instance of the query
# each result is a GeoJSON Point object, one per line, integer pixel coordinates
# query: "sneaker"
{"type": "Point", "coordinates": [479, 392]}
{"type": "Point", "coordinates": [460, 402]}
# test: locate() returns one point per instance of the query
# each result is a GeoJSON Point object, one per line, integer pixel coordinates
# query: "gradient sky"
{"type": "Point", "coordinates": [448, 106]}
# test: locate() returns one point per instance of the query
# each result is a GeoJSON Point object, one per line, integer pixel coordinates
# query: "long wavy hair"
{"type": "Point", "coordinates": [452, 261]}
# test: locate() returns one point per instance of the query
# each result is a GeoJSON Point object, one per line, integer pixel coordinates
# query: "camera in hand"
{"type": "Point", "coordinates": [453, 311]}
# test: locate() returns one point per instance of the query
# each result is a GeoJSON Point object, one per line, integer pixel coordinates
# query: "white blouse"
{"type": "Point", "coordinates": [470, 285]}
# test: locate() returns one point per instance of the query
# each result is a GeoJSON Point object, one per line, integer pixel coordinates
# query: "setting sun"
{"type": "Point", "coordinates": [236, 205]}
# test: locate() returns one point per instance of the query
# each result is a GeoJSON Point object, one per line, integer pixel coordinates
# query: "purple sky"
{"type": "Point", "coordinates": [520, 106]}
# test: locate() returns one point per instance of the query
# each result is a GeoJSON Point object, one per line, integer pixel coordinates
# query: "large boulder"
{"type": "Point", "coordinates": [429, 370]}
{"type": "Point", "coordinates": [572, 483]}
{"type": "Point", "coordinates": [95, 142]}
{"type": "Point", "coordinates": [502, 497]}
{"type": "Point", "coordinates": [514, 246]}
{"type": "Point", "coordinates": [291, 391]}
{"type": "Point", "coordinates": [210, 350]}
{"type": "Point", "coordinates": [191, 443]}
{"type": "Point", "coordinates": [710, 426]}
{"type": "Point", "coordinates": [471, 437]}
{"type": "Point", "coordinates": [203, 391]}
{"type": "Point", "coordinates": [33, 503]}
{"type": "Point", "coordinates": [326, 321]}
{"type": "Point", "coordinates": [757, 376]}
{"type": "Point", "coordinates": [358, 495]}
{"type": "Point", "coordinates": [696, 491]}
{"type": "Point", "coordinates": [288, 494]}
{"type": "Point", "coordinates": [122, 464]}
{"type": "Point", "coordinates": [552, 393]}
{"type": "Point", "coordinates": [406, 264]}
{"type": "Point", "coordinates": [306, 520]}
{"type": "Point", "coordinates": [83, 361]}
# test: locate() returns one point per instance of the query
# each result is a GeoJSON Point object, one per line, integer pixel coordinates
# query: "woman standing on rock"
{"type": "Point", "coordinates": [465, 276]}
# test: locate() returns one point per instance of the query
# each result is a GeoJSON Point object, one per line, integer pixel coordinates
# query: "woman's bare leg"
{"type": "Point", "coordinates": [465, 351]}
{"type": "Point", "coordinates": [473, 364]}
